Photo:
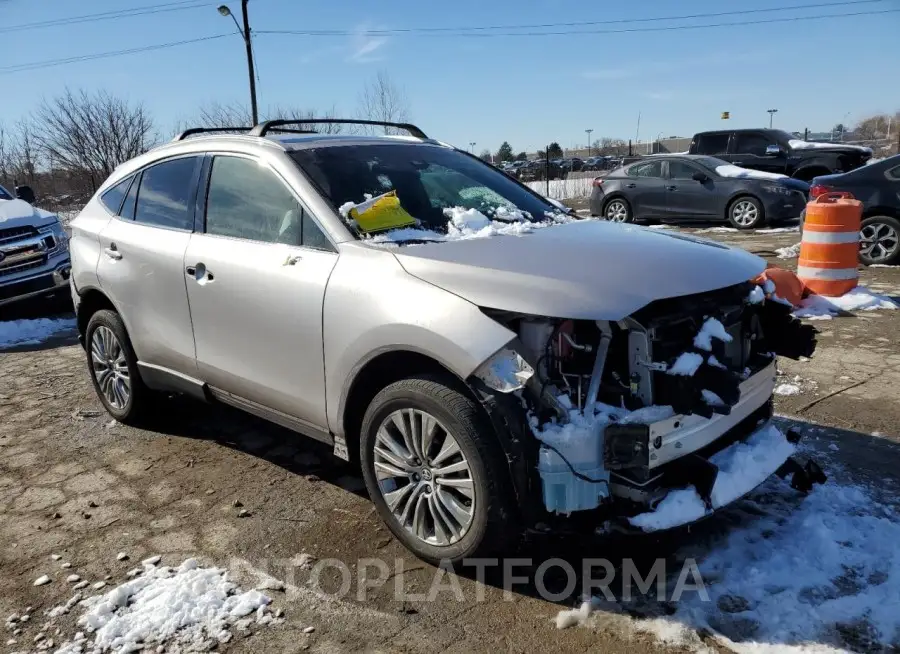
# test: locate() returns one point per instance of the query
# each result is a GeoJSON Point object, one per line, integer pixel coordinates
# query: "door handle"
{"type": "Point", "coordinates": [113, 252]}
{"type": "Point", "coordinates": [292, 259]}
{"type": "Point", "coordinates": [671, 188]}
{"type": "Point", "coordinates": [200, 273]}
{"type": "Point", "coordinates": [191, 270]}
{"type": "Point", "coordinates": [630, 185]}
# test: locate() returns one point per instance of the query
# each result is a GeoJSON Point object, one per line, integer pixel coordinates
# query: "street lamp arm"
{"type": "Point", "coordinates": [238, 26]}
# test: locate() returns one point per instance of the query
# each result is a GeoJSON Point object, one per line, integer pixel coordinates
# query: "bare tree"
{"type": "Point", "coordinates": [18, 156]}
{"type": "Point", "coordinates": [91, 134]}
{"type": "Point", "coordinates": [383, 100]}
{"type": "Point", "coordinates": [237, 115]}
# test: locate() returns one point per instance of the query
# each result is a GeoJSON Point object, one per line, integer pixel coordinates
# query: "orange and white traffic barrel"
{"type": "Point", "coordinates": [829, 247]}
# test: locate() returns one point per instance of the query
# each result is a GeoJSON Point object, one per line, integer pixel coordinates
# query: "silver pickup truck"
{"type": "Point", "coordinates": [34, 249]}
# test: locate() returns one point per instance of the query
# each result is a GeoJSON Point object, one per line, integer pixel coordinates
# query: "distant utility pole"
{"type": "Point", "coordinates": [771, 113]}
{"type": "Point", "coordinates": [589, 140]}
{"type": "Point", "coordinates": [245, 34]}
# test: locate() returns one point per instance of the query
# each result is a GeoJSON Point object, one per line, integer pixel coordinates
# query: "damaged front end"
{"type": "Point", "coordinates": [602, 420]}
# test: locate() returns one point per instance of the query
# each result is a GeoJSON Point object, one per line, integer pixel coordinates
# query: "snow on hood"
{"type": "Point", "coordinates": [18, 213]}
{"type": "Point", "coordinates": [587, 269]}
{"type": "Point", "coordinates": [730, 170]}
{"type": "Point", "coordinates": [799, 144]}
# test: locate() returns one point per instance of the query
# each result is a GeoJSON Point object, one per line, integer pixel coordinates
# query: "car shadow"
{"type": "Point", "coordinates": [635, 578]}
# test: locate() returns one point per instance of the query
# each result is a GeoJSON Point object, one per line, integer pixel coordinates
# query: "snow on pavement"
{"type": "Point", "coordinates": [810, 574]}
{"type": "Point", "coordinates": [187, 608]}
{"type": "Point", "coordinates": [819, 307]}
{"type": "Point", "coordinates": [32, 331]}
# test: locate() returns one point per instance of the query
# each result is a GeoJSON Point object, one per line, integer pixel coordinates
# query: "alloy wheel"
{"type": "Point", "coordinates": [424, 477]}
{"type": "Point", "coordinates": [617, 212]}
{"type": "Point", "coordinates": [744, 213]}
{"type": "Point", "coordinates": [109, 367]}
{"type": "Point", "coordinates": [878, 241]}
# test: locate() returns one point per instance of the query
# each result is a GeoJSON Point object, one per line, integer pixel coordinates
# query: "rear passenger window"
{"type": "Point", "coordinates": [712, 143]}
{"type": "Point", "coordinates": [247, 200]}
{"type": "Point", "coordinates": [648, 169]}
{"type": "Point", "coordinates": [165, 195]}
{"type": "Point", "coordinates": [112, 198]}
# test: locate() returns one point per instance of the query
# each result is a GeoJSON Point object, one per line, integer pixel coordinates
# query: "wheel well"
{"type": "Point", "coordinates": [91, 302]}
{"type": "Point", "coordinates": [384, 369]}
{"type": "Point", "coordinates": [807, 174]}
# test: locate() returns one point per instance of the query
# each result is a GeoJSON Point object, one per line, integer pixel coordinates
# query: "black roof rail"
{"type": "Point", "coordinates": [263, 128]}
{"type": "Point", "coordinates": [208, 130]}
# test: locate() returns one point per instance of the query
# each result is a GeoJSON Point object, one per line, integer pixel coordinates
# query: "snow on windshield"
{"type": "Point", "coordinates": [463, 223]}
{"type": "Point", "coordinates": [798, 144]}
{"type": "Point", "coordinates": [730, 170]}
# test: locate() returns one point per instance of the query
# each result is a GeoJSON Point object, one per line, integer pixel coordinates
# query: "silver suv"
{"type": "Point", "coordinates": [34, 252]}
{"type": "Point", "coordinates": [492, 363]}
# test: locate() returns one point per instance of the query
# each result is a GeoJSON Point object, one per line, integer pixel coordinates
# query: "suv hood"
{"type": "Point", "coordinates": [18, 213]}
{"type": "Point", "coordinates": [589, 269]}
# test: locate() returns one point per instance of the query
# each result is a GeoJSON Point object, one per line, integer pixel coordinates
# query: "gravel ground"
{"type": "Point", "coordinates": [211, 483]}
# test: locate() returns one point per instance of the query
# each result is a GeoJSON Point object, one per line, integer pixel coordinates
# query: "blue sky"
{"type": "Point", "coordinates": [526, 89]}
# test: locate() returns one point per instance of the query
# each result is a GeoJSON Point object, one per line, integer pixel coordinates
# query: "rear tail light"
{"type": "Point", "coordinates": [598, 182]}
{"type": "Point", "coordinates": [819, 189]}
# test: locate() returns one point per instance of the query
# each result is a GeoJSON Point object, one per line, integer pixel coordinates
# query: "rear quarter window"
{"type": "Point", "coordinates": [112, 197]}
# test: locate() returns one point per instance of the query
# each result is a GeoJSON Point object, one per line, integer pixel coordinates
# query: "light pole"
{"type": "Point", "coordinates": [245, 34]}
{"type": "Point", "coordinates": [589, 141]}
{"type": "Point", "coordinates": [771, 113]}
{"type": "Point", "coordinates": [472, 147]}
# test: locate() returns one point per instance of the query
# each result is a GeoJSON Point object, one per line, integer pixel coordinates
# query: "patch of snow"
{"type": "Point", "coordinates": [647, 415]}
{"type": "Point", "coordinates": [718, 230]}
{"type": "Point", "coordinates": [32, 331]}
{"type": "Point", "coordinates": [800, 144]}
{"type": "Point", "coordinates": [757, 295]}
{"type": "Point", "coordinates": [188, 608]}
{"type": "Point", "coordinates": [742, 467]}
{"type": "Point", "coordinates": [711, 329]}
{"type": "Point", "coordinates": [859, 299]}
{"type": "Point", "coordinates": [787, 389]}
{"type": "Point", "coordinates": [572, 617]}
{"type": "Point", "coordinates": [42, 580]}
{"type": "Point", "coordinates": [711, 398]}
{"type": "Point", "coordinates": [686, 364]}
{"type": "Point", "coordinates": [659, 226]}
{"type": "Point", "coordinates": [778, 230]}
{"type": "Point", "coordinates": [789, 252]}
{"type": "Point", "coordinates": [730, 170]}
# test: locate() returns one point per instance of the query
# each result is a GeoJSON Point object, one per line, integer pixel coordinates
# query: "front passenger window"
{"type": "Point", "coordinates": [246, 200]}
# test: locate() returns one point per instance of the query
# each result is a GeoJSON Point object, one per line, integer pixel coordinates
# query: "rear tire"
{"type": "Point", "coordinates": [112, 365]}
{"type": "Point", "coordinates": [449, 497]}
{"type": "Point", "coordinates": [746, 212]}
{"type": "Point", "coordinates": [618, 210]}
{"type": "Point", "coordinates": [879, 241]}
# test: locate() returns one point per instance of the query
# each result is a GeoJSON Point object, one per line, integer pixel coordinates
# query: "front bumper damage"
{"type": "Point", "coordinates": [620, 462]}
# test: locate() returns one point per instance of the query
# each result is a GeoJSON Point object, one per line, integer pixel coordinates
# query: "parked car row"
{"type": "Point", "coordinates": [537, 169]}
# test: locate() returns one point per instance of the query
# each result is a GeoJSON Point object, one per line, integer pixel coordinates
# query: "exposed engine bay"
{"type": "Point", "coordinates": [654, 395]}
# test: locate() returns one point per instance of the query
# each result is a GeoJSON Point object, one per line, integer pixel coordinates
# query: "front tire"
{"type": "Point", "coordinates": [434, 470]}
{"type": "Point", "coordinates": [746, 212]}
{"type": "Point", "coordinates": [879, 241]}
{"type": "Point", "coordinates": [618, 210]}
{"type": "Point", "coordinates": [112, 364]}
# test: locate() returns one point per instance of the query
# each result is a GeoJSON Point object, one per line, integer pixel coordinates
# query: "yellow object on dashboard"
{"type": "Point", "coordinates": [381, 213]}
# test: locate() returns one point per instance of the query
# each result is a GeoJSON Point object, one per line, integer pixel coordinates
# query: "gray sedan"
{"type": "Point", "coordinates": [674, 188]}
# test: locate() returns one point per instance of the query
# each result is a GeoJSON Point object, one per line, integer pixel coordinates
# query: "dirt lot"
{"type": "Point", "coordinates": [232, 491]}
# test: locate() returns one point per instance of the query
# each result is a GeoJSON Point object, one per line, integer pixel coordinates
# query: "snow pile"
{"type": "Point", "coordinates": [466, 224]}
{"type": "Point", "coordinates": [787, 389]}
{"type": "Point", "coordinates": [789, 252]}
{"type": "Point", "coordinates": [742, 467]}
{"type": "Point", "coordinates": [799, 144]}
{"type": "Point", "coordinates": [859, 299]}
{"type": "Point", "coordinates": [711, 329]}
{"type": "Point", "coordinates": [32, 332]}
{"type": "Point", "coordinates": [686, 364]}
{"type": "Point", "coordinates": [757, 295]}
{"type": "Point", "coordinates": [718, 230]}
{"type": "Point", "coordinates": [187, 607]}
{"type": "Point", "coordinates": [730, 170]}
{"type": "Point", "coordinates": [778, 230]}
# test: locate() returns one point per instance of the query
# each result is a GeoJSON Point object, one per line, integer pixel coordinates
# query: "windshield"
{"type": "Point", "coordinates": [429, 181]}
{"type": "Point", "coordinates": [784, 136]}
{"type": "Point", "coordinates": [4, 194]}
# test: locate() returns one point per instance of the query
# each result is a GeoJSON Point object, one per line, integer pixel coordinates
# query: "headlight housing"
{"type": "Point", "coordinates": [506, 371]}
{"type": "Point", "coordinates": [777, 189]}
{"type": "Point", "coordinates": [60, 238]}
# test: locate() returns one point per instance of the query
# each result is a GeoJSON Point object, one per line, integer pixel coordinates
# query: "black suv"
{"type": "Point", "coordinates": [775, 151]}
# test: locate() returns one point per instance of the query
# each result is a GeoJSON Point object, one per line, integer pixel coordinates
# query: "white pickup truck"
{"type": "Point", "coordinates": [34, 249]}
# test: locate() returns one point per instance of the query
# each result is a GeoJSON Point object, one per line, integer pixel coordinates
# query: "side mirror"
{"type": "Point", "coordinates": [699, 176]}
{"type": "Point", "coordinates": [773, 150]}
{"type": "Point", "coordinates": [25, 193]}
